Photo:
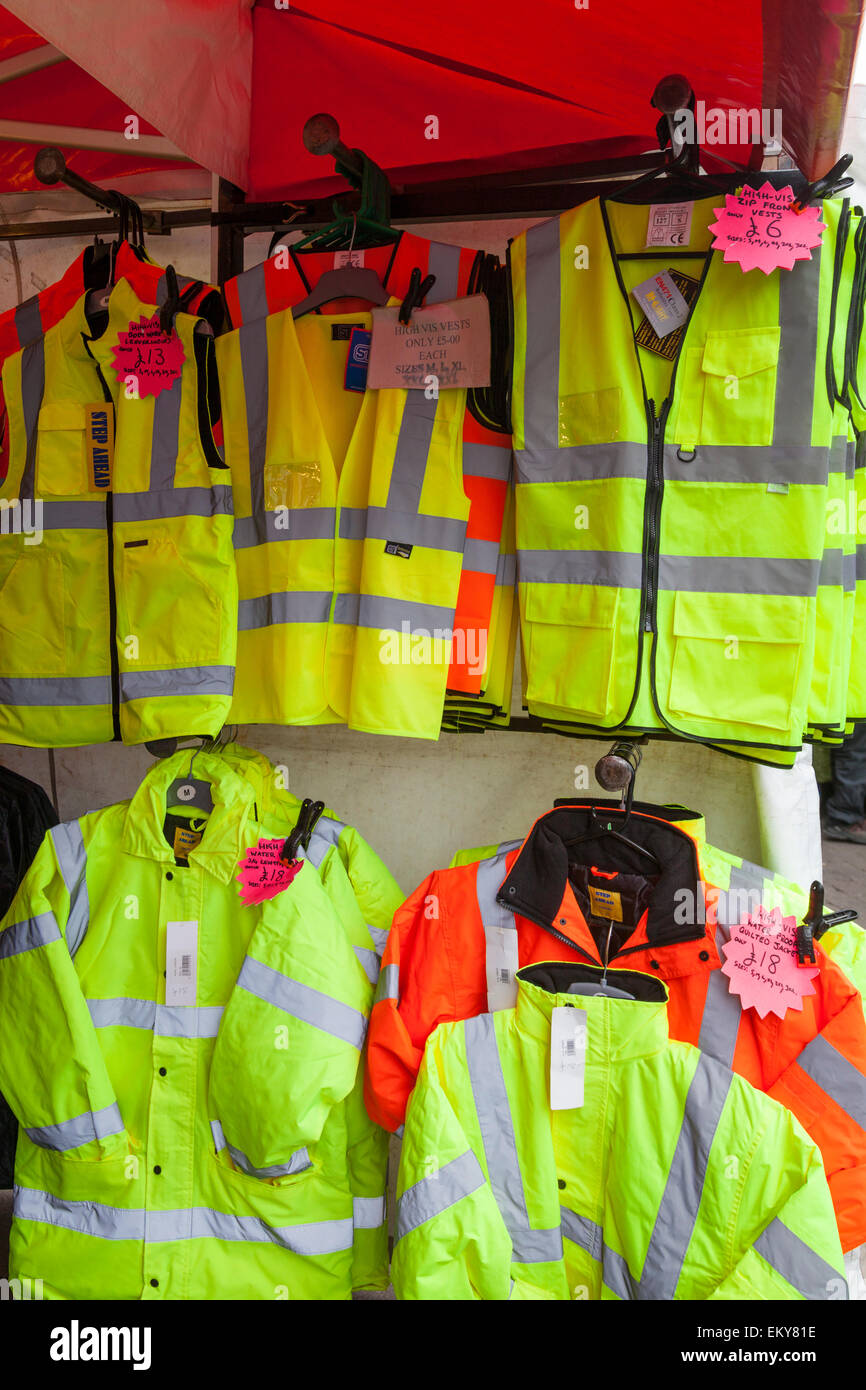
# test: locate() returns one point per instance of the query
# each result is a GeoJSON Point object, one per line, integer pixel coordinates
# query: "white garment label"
{"type": "Point", "coordinates": [568, 1042]}
{"type": "Point", "coordinates": [669, 224]}
{"type": "Point", "coordinates": [502, 967]}
{"type": "Point", "coordinates": [181, 955]}
{"type": "Point", "coordinates": [662, 303]}
{"type": "Point", "coordinates": [343, 258]}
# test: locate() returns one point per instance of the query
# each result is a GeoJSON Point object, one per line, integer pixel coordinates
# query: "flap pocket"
{"type": "Point", "coordinates": [772, 619]}
{"type": "Point", "coordinates": [63, 415]}
{"type": "Point", "coordinates": [741, 351]}
{"type": "Point", "coordinates": [575, 605]}
{"type": "Point", "coordinates": [569, 633]}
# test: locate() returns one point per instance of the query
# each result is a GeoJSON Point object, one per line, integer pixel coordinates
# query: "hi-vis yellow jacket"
{"type": "Point", "coordinates": [178, 1150]}
{"type": "Point", "coordinates": [118, 589]}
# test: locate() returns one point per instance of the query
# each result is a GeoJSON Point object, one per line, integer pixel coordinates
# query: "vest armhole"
{"type": "Point", "coordinates": [208, 392]}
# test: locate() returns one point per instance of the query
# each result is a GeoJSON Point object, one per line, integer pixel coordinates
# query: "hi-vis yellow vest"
{"type": "Point", "coordinates": [118, 591]}
{"type": "Point", "coordinates": [350, 530]}
{"type": "Point", "coordinates": [670, 516]}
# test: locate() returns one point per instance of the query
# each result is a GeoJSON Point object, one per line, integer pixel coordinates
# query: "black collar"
{"type": "Point", "coordinates": [536, 883]}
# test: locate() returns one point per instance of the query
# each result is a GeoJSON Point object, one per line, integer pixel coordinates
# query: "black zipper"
{"type": "Point", "coordinates": [112, 593]}
{"type": "Point", "coordinates": [653, 503]}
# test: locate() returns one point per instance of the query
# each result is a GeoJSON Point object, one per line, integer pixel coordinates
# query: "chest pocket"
{"type": "Point", "coordinates": [61, 451]}
{"type": "Point", "coordinates": [728, 389]}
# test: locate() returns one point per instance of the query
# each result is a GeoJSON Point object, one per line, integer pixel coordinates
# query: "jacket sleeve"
{"type": "Point", "coordinates": [412, 996]}
{"type": "Point", "coordinates": [825, 1087]}
{"type": "Point", "coordinates": [377, 891]}
{"type": "Point", "coordinates": [52, 1070]}
{"type": "Point", "coordinates": [290, 1039]}
{"type": "Point", "coordinates": [450, 1240]}
{"type": "Point", "coordinates": [784, 1240]}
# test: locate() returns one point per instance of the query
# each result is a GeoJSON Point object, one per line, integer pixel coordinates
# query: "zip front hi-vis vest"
{"type": "Point", "coordinates": [670, 514]}
{"type": "Point", "coordinates": [350, 530]}
{"type": "Point", "coordinates": [180, 1062]}
{"type": "Point", "coordinates": [118, 591]}
{"type": "Point", "coordinates": [457, 941]}
{"type": "Point", "coordinates": [666, 1177]}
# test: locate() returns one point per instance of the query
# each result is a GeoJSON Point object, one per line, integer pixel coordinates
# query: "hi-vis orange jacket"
{"type": "Point", "coordinates": [457, 942]}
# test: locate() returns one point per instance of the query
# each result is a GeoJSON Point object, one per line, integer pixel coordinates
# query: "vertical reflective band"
{"type": "Point", "coordinates": [389, 984]}
{"type": "Point", "coordinates": [837, 1076]}
{"type": "Point", "coordinates": [368, 1213]}
{"type": "Point", "coordinates": [368, 961]}
{"type": "Point", "coordinates": [500, 1150]}
{"type": "Point", "coordinates": [164, 440]}
{"type": "Point", "coordinates": [302, 1002]}
{"type": "Point", "coordinates": [251, 294]}
{"type": "Point", "coordinates": [720, 1024]}
{"type": "Point", "coordinates": [72, 861]}
{"type": "Point", "coordinates": [380, 938]}
{"type": "Point", "coordinates": [432, 1195]}
{"type": "Point", "coordinates": [410, 456]}
{"type": "Point", "coordinates": [795, 378]}
{"type": "Point", "coordinates": [29, 935]}
{"type": "Point", "coordinates": [488, 881]}
{"type": "Point", "coordinates": [678, 1209]}
{"type": "Point", "coordinates": [28, 321]}
{"type": "Point", "coordinates": [501, 986]}
{"type": "Point", "coordinates": [81, 1129]}
{"type": "Point", "coordinates": [443, 261]}
{"type": "Point", "coordinates": [32, 391]}
{"type": "Point", "coordinates": [798, 1263]}
{"type": "Point", "coordinates": [253, 346]}
{"type": "Point", "coordinates": [543, 313]}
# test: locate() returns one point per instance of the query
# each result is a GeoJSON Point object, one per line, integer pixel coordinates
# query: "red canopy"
{"type": "Point", "coordinates": [425, 92]}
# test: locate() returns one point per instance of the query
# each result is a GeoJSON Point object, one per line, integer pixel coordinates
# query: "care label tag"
{"type": "Point", "coordinates": [502, 967]}
{"type": "Point", "coordinates": [761, 964]}
{"type": "Point", "coordinates": [357, 360]}
{"type": "Point", "coordinates": [759, 228]}
{"type": "Point", "coordinates": [264, 873]}
{"type": "Point", "coordinates": [181, 952]}
{"type": "Point", "coordinates": [662, 303]}
{"type": "Point", "coordinates": [605, 903]}
{"type": "Point", "coordinates": [342, 332]}
{"type": "Point", "coordinates": [669, 224]}
{"type": "Point", "coordinates": [99, 439]}
{"type": "Point", "coordinates": [568, 1042]}
{"type": "Point", "coordinates": [344, 258]}
{"type": "Point", "coordinates": [443, 346]}
{"type": "Point", "coordinates": [146, 360]}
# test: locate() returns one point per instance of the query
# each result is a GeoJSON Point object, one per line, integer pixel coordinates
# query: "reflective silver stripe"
{"type": "Point", "coordinates": [291, 524]}
{"type": "Point", "coordinates": [368, 1213]}
{"type": "Point", "coordinates": [269, 610]}
{"type": "Point", "coordinates": [369, 962]}
{"type": "Point", "coordinates": [576, 463]}
{"type": "Point", "coordinates": [489, 878]}
{"type": "Point", "coordinates": [849, 573]}
{"type": "Point", "coordinates": [506, 570]}
{"type": "Point", "coordinates": [860, 561]}
{"type": "Point", "coordinates": [802, 463]}
{"type": "Point", "coordinates": [330, 829]}
{"type": "Point", "coordinates": [678, 1209]}
{"type": "Point", "coordinates": [434, 532]}
{"type": "Point", "coordinates": [589, 1236]}
{"type": "Point", "coordinates": [346, 607]}
{"type": "Point", "coordinates": [32, 391]}
{"type": "Point", "coordinates": [81, 1129]}
{"type": "Point", "coordinates": [500, 1150]}
{"type": "Point", "coordinates": [481, 556]}
{"type": "Point", "coordinates": [74, 516]}
{"type": "Point", "coordinates": [748, 574]}
{"type": "Point", "coordinates": [165, 436]}
{"type": "Point", "coordinates": [443, 261]}
{"type": "Point", "coordinates": [299, 1161]}
{"type": "Point", "coordinates": [253, 348]}
{"type": "Point", "coordinates": [303, 1002]}
{"type": "Point", "coordinates": [488, 461]}
{"type": "Point", "coordinates": [55, 690]}
{"type": "Point", "coordinates": [543, 300]}
{"type": "Point", "coordinates": [850, 458]}
{"type": "Point", "coordinates": [837, 1077]}
{"type": "Point", "coordinates": [581, 1231]}
{"type": "Point", "coordinates": [390, 614]}
{"type": "Point", "coordinates": [830, 571]}
{"type": "Point", "coordinates": [29, 935]}
{"type": "Point", "coordinates": [608, 567]}
{"type": "Point", "coordinates": [389, 984]}
{"type": "Point", "coordinates": [251, 294]}
{"type": "Point", "coordinates": [28, 321]}
{"type": "Point", "coordinates": [720, 1022]}
{"type": "Point", "coordinates": [432, 1195]}
{"type": "Point", "coordinates": [165, 1020]}
{"type": "Point", "coordinates": [795, 375]}
{"type": "Point", "coordinates": [410, 456]}
{"type": "Point", "coordinates": [181, 680]}
{"type": "Point", "coordinates": [353, 523]}
{"type": "Point", "coordinates": [798, 1263]}
{"type": "Point", "coordinates": [399, 1131]}
{"type": "Point", "coordinates": [72, 861]}
{"type": "Point", "coordinates": [380, 938]}
{"type": "Point", "coordinates": [745, 893]}
{"type": "Point", "coordinates": [173, 502]}
{"type": "Point", "coordinates": [187, 1223]}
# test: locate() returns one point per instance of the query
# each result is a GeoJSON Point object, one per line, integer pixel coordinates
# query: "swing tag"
{"type": "Point", "coordinates": [568, 1043]}
{"type": "Point", "coordinates": [502, 966]}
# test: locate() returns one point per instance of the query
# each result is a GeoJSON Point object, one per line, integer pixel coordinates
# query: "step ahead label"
{"type": "Point", "coordinates": [442, 347]}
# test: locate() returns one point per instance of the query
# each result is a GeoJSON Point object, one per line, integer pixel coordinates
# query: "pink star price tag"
{"type": "Point", "coordinates": [761, 964]}
{"type": "Point", "coordinates": [264, 873]}
{"type": "Point", "coordinates": [759, 228]}
{"type": "Point", "coordinates": [151, 358]}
